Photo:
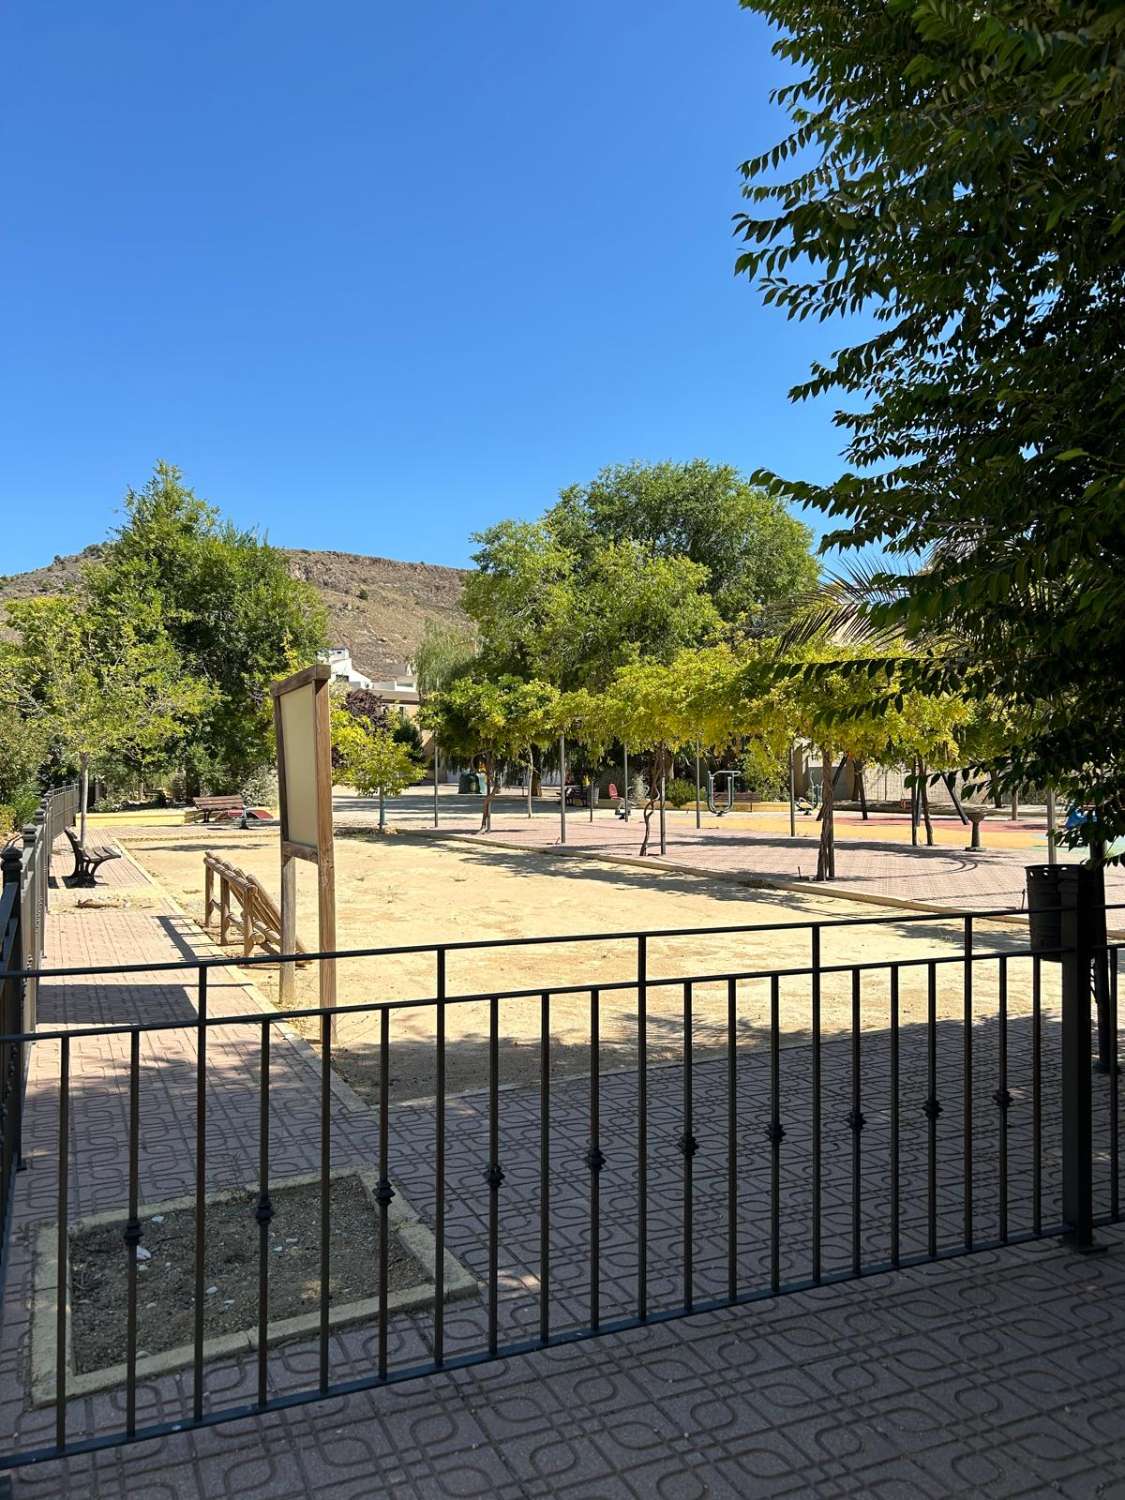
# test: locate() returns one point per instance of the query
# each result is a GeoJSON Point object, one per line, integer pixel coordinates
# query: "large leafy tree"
{"type": "Point", "coordinates": [958, 172]}
{"type": "Point", "coordinates": [100, 689]}
{"type": "Point", "coordinates": [756, 554]}
{"type": "Point", "coordinates": [545, 609]}
{"type": "Point", "coordinates": [228, 605]}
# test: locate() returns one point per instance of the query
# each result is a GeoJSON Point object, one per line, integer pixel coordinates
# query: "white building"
{"type": "Point", "coordinates": [399, 686]}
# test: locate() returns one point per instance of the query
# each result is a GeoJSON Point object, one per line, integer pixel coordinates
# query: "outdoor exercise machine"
{"type": "Point", "coordinates": [715, 782]}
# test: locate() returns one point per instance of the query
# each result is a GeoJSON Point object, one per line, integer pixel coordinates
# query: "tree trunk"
{"type": "Point", "coordinates": [914, 804]}
{"type": "Point", "coordinates": [663, 783]}
{"type": "Point", "coordinates": [530, 777]}
{"type": "Point", "coordinates": [835, 781]}
{"type": "Point", "coordinates": [826, 851]}
{"type": "Point", "coordinates": [382, 811]}
{"type": "Point", "coordinates": [486, 810]}
{"type": "Point", "coordinates": [83, 794]}
{"type": "Point", "coordinates": [648, 811]}
{"type": "Point", "coordinates": [1015, 807]}
{"type": "Point", "coordinates": [924, 795]}
{"type": "Point", "coordinates": [861, 789]}
{"type": "Point", "coordinates": [948, 778]}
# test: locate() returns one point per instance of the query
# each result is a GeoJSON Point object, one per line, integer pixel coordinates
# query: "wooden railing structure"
{"type": "Point", "coordinates": [246, 910]}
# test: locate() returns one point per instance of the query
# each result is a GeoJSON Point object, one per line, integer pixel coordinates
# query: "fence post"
{"type": "Point", "coordinates": [1076, 891]}
{"type": "Point", "coordinates": [11, 1020]}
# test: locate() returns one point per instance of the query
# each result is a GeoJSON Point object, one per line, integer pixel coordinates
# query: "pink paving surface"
{"type": "Point", "coordinates": [943, 875]}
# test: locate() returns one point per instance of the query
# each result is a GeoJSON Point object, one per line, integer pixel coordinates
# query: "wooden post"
{"type": "Point", "coordinates": [326, 855]}
{"type": "Point", "coordinates": [248, 922]}
{"type": "Point", "coordinates": [208, 895]}
{"type": "Point", "coordinates": [287, 975]}
{"type": "Point", "coordinates": [224, 909]}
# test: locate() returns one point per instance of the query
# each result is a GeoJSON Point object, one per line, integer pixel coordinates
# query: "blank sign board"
{"type": "Point", "coordinates": [298, 727]}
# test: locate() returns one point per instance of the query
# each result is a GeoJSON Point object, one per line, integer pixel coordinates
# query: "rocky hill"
{"type": "Point", "coordinates": [376, 606]}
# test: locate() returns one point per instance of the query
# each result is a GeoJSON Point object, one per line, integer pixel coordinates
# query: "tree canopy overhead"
{"type": "Point", "coordinates": [958, 171]}
{"type": "Point", "coordinates": [229, 605]}
{"type": "Point", "coordinates": [756, 554]}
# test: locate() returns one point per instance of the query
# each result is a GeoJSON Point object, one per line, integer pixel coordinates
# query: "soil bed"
{"type": "Point", "coordinates": [99, 1269]}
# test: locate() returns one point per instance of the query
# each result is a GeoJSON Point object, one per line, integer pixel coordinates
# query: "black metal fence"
{"type": "Point", "coordinates": [767, 1159]}
{"type": "Point", "coordinates": [25, 872]}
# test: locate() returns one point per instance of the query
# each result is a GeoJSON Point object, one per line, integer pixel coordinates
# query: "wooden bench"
{"type": "Point", "coordinates": [247, 913]}
{"type": "Point", "coordinates": [88, 858]}
{"type": "Point", "coordinates": [209, 805]}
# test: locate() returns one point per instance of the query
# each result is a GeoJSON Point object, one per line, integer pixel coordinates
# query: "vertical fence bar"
{"type": "Point", "coordinates": [544, 1167]}
{"type": "Point", "coordinates": [384, 1192]}
{"type": "Point", "coordinates": [932, 1109]}
{"type": "Point", "coordinates": [816, 1079]}
{"type": "Point", "coordinates": [856, 1123]}
{"type": "Point", "coordinates": [776, 1133]}
{"type": "Point", "coordinates": [200, 1190]}
{"type": "Point", "coordinates": [642, 1127]}
{"type": "Point", "coordinates": [896, 1250]}
{"type": "Point", "coordinates": [1037, 1094]}
{"type": "Point", "coordinates": [264, 1212]}
{"type": "Point", "coordinates": [732, 1139]}
{"type": "Point", "coordinates": [133, 1231]}
{"type": "Point", "coordinates": [688, 1147]}
{"type": "Point", "coordinates": [594, 1159]}
{"type": "Point", "coordinates": [439, 1161]}
{"type": "Point", "coordinates": [494, 1175]}
{"type": "Point", "coordinates": [967, 1068]}
{"type": "Point", "coordinates": [62, 1244]}
{"type": "Point", "coordinates": [1075, 1061]}
{"type": "Point", "coordinates": [1002, 1097]}
{"type": "Point", "coordinates": [325, 1186]}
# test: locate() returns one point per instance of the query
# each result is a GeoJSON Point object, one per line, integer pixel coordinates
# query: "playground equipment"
{"type": "Point", "coordinates": [714, 778]}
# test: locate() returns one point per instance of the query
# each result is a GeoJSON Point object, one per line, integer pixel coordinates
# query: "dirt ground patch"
{"type": "Point", "coordinates": [166, 1277]}
{"type": "Point", "coordinates": [417, 889]}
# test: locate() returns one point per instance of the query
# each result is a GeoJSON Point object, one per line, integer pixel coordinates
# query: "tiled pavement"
{"type": "Point", "coordinates": [942, 875]}
{"type": "Point", "coordinates": [999, 1374]}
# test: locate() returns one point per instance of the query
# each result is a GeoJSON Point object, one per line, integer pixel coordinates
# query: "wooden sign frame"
{"type": "Point", "coordinates": [315, 840]}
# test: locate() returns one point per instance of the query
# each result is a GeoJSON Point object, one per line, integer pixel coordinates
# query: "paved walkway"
{"type": "Point", "coordinates": [752, 847]}
{"type": "Point", "coordinates": [999, 1374]}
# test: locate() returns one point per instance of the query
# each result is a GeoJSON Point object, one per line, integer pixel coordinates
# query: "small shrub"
{"type": "Point", "coordinates": [259, 789]}
{"type": "Point", "coordinates": [679, 792]}
{"type": "Point", "coordinates": [362, 594]}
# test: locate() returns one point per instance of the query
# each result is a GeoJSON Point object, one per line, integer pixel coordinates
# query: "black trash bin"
{"type": "Point", "coordinates": [1083, 887]}
{"type": "Point", "coordinates": [1044, 902]}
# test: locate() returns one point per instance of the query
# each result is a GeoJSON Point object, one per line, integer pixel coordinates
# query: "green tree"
{"type": "Point", "coordinates": [228, 605]}
{"type": "Point", "coordinates": [101, 687]}
{"type": "Point", "coordinates": [958, 171]}
{"type": "Point", "coordinates": [757, 555]}
{"type": "Point", "coordinates": [372, 760]}
{"type": "Point", "coordinates": [444, 652]}
{"type": "Point", "coordinates": [490, 719]}
{"type": "Point", "coordinates": [544, 610]}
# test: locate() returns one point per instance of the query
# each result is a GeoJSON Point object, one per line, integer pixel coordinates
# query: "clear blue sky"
{"type": "Point", "coordinates": [377, 275]}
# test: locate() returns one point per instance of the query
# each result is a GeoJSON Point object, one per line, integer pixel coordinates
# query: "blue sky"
{"type": "Point", "coordinates": [377, 275]}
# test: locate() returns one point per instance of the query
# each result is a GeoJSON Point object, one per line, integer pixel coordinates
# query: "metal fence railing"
{"type": "Point", "coordinates": [950, 1109]}
{"type": "Point", "coordinates": [25, 878]}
